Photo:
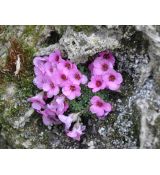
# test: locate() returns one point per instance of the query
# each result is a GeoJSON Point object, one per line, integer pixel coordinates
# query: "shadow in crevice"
{"type": "Point", "coordinates": [53, 38]}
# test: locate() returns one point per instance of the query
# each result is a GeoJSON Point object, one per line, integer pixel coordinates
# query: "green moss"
{"type": "Point", "coordinates": [24, 81]}
{"type": "Point", "coordinates": [81, 103]}
{"type": "Point", "coordinates": [29, 30]}
{"type": "Point", "coordinates": [11, 111]}
{"type": "Point", "coordinates": [29, 51]}
{"type": "Point", "coordinates": [87, 29]}
{"type": "Point", "coordinates": [34, 32]}
{"type": "Point", "coordinates": [24, 89]}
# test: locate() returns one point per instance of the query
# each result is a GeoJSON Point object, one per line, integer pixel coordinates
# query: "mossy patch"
{"type": "Point", "coordinates": [23, 83]}
{"type": "Point", "coordinates": [87, 29]}
{"type": "Point", "coordinates": [34, 32]}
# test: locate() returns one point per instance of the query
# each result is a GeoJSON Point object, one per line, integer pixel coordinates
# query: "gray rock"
{"type": "Point", "coordinates": [79, 46]}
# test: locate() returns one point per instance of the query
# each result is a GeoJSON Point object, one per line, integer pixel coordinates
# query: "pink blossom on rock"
{"type": "Point", "coordinates": [58, 105]}
{"type": "Point", "coordinates": [62, 78]}
{"type": "Point", "coordinates": [39, 61]}
{"type": "Point", "coordinates": [108, 56]}
{"type": "Point", "coordinates": [37, 101]}
{"type": "Point", "coordinates": [101, 66]}
{"type": "Point", "coordinates": [100, 107]}
{"type": "Point", "coordinates": [67, 120]}
{"type": "Point", "coordinates": [49, 117]}
{"type": "Point", "coordinates": [39, 81]}
{"type": "Point", "coordinates": [91, 65]}
{"type": "Point", "coordinates": [66, 66]}
{"type": "Point", "coordinates": [71, 91]}
{"type": "Point", "coordinates": [113, 80]}
{"type": "Point", "coordinates": [55, 57]}
{"type": "Point", "coordinates": [77, 77]}
{"type": "Point", "coordinates": [77, 131]}
{"type": "Point", "coordinates": [40, 74]}
{"type": "Point", "coordinates": [48, 120]}
{"type": "Point", "coordinates": [39, 70]}
{"type": "Point", "coordinates": [51, 87]}
{"type": "Point", "coordinates": [62, 104]}
{"type": "Point", "coordinates": [96, 83]}
{"type": "Point", "coordinates": [50, 69]}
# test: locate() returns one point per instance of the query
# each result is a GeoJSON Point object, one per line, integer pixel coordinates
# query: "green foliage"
{"type": "Point", "coordinates": [82, 103]}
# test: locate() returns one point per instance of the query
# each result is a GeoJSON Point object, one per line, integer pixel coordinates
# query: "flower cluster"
{"type": "Point", "coordinates": [103, 76]}
{"type": "Point", "coordinates": [53, 73]}
{"type": "Point", "coordinates": [59, 80]}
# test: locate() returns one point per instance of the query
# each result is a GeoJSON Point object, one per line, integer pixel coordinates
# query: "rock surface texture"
{"type": "Point", "coordinates": [135, 120]}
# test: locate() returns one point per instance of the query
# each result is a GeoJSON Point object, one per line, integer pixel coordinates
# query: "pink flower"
{"type": "Point", "coordinates": [39, 61]}
{"type": "Point", "coordinates": [66, 66]}
{"type": "Point", "coordinates": [108, 56]}
{"type": "Point", "coordinates": [39, 81]}
{"type": "Point", "coordinates": [77, 78]}
{"type": "Point", "coordinates": [58, 105]}
{"type": "Point", "coordinates": [55, 57]}
{"type": "Point", "coordinates": [67, 120]}
{"type": "Point", "coordinates": [101, 66]}
{"type": "Point", "coordinates": [48, 120]}
{"type": "Point", "coordinates": [39, 71]}
{"type": "Point", "coordinates": [71, 91]}
{"type": "Point", "coordinates": [62, 78]}
{"type": "Point", "coordinates": [91, 65]}
{"type": "Point", "coordinates": [96, 83]}
{"type": "Point", "coordinates": [100, 107]}
{"type": "Point", "coordinates": [50, 69]}
{"type": "Point", "coordinates": [37, 101]}
{"type": "Point", "coordinates": [113, 80]}
{"type": "Point", "coordinates": [77, 131]}
{"type": "Point", "coordinates": [50, 87]}
{"type": "Point", "coordinates": [49, 117]}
